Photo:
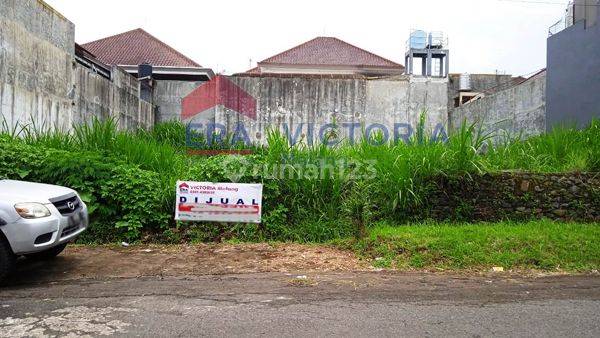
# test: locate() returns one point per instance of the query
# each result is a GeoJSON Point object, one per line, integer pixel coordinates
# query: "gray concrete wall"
{"type": "Point", "coordinates": [519, 110]}
{"type": "Point", "coordinates": [167, 97]}
{"type": "Point", "coordinates": [343, 100]}
{"type": "Point", "coordinates": [36, 63]}
{"type": "Point", "coordinates": [573, 82]}
{"type": "Point", "coordinates": [586, 10]}
{"type": "Point", "coordinates": [403, 99]}
{"type": "Point", "coordinates": [479, 83]}
{"type": "Point", "coordinates": [119, 98]}
{"type": "Point", "coordinates": [41, 83]}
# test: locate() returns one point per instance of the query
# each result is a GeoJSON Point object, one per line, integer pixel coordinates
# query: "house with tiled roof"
{"type": "Point", "coordinates": [166, 74]}
{"type": "Point", "coordinates": [130, 49]}
{"type": "Point", "coordinates": [327, 55]}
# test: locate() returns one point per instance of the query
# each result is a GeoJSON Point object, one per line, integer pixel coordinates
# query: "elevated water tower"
{"type": "Point", "coordinates": [432, 49]}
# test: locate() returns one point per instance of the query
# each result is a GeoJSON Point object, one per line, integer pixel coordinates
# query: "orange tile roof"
{"type": "Point", "coordinates": [136, 47]}
{"type": "Point", "coordinates": [329, 51]}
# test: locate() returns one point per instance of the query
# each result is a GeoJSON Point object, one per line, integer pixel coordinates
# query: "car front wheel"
{"type": "Point", "coordinates": [47, 254]}
{"type": "Point", "coordinates": [7, 259]}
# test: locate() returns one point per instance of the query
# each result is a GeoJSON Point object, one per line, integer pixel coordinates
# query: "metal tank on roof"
{"type": "Point", "coordinates": [436, 40]}
{"type": "Point", "coordinates": [418, 39]}
{"type": "Point", "coordinates": [432, 50]}
{"type": "Point", "coordinates": [465, 82]}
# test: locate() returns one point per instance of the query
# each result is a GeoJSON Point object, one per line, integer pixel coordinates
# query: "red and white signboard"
{"type": "Point", "coordinates": [218, 202]}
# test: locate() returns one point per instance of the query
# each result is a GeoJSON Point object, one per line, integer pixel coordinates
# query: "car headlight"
{"type": "Point", "coordinates": [32, 210]}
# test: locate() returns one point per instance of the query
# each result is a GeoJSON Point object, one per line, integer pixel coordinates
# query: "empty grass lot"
{"type": "Point", "coordinates": [540, 245]}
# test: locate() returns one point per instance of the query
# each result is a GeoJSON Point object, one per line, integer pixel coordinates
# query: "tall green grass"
{"type": "Point", "coordinates": [562, 150]}
{"type": "Point", "coordinates": [389, 181]}
{"type": "Point", "coordinates": [155, 150]}
{"type": "Point", "coordinates": [468, 150]}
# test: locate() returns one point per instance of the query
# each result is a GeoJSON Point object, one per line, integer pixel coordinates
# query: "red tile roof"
{"type": "Point", "coordinates": [329, 51]}
{"type": "Point", "coordinates": [136, 47]}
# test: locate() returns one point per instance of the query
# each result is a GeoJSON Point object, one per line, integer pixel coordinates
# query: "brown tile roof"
{"type": "Point", "coordinates": [136, 47]}
{"type": "Point", "coordinates": [329, 51]}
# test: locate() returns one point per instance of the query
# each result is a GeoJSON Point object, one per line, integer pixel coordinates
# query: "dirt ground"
{"type": "Point", "coordinates": [202, 259]}
{"type": "Point", "coordinates": [285, 290]}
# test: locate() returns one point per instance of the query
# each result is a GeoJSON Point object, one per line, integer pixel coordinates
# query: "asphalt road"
{"type": "Point", "coordinates": [322, 304]}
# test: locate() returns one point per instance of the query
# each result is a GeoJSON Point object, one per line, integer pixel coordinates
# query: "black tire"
{"type": "Point", "coordinates": [47, 254]}
{"type": "Point", "coordinates": [8, 260]}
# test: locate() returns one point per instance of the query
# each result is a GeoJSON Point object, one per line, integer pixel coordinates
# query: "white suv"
{"type": "Point", "coordinates": [37, 221]}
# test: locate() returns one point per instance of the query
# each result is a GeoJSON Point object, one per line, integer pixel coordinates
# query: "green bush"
{"type": "Point", "coordinates": [128, 178]}
{"type": "Point", "coordinates": [120, 196]}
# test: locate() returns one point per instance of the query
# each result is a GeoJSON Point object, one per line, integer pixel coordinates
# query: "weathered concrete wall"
{"type": "Point", "coordinates": [479, 83]}
{"type": "Point", "coordinates": [574, 75]}
{"type": "Point", "coordinates": [402, 100]}
{"type": "Point", "coordinates": [301, 100]}
{"type": "Point", "coordinates": [520, 109]}
{"type": "Point", "coordinates": [36, 63]}
{"type": "Point", "coordinates": [167, 97]}
{"type": "Point", "coordinates": [587, 11]}
{"type": "Point", "coordinates": [119, 98]}
{"type": "Point", "coordinates": [41, 83]}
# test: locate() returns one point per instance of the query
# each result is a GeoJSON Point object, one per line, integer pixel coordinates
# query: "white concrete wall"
{"type": "Point", "coordinates": [329, 70]}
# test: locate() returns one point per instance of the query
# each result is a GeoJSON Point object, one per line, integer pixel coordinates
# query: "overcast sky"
{"type": "Point", "coordinates": [484, 35]}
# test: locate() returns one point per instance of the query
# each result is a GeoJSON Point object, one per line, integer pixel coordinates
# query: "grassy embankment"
{"type": "Point", "coordinates": [539, 245]}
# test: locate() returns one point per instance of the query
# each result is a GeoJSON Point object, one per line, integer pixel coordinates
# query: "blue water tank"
{"type": "Point", "coordinates": [418, 39]}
